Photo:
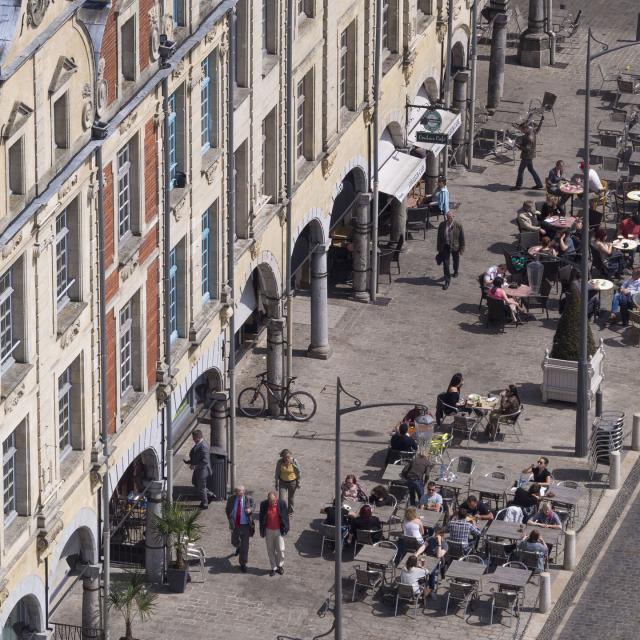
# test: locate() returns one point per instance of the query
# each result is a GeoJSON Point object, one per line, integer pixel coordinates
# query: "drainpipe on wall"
{"type": "Point", "coordinates": [231, 236]}
{"type": "Point", "coordinates": [474, 68]}
{"type": "Point", "coordinates": [289, 185]}
{"type": "Point", "coordinates": [104, 425]}
{"type": "Point", "coordinates": [377, 54]}
{"type": "Point", "coordinates": [447, 78]}
{"type": "Point", "coordinates": [166, 250]}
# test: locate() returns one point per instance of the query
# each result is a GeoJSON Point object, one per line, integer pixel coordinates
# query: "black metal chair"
{"type": "Point", "coordinates": [497, 311]}
{"type": "Point", "coordinates": [483, 291]}
{"type": "Point", "coordinates": [546, 104]}
{"type": "Point", "coordinates": [417, 220]}
{"type": "Point", "coordinates": [542, 299]}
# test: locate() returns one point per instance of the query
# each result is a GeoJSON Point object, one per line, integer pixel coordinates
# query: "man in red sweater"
{"type": "Point", "coordinates": [274, 525]}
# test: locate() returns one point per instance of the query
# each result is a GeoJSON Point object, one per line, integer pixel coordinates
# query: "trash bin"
{"type": "Point", "coordinates": [607, 435]}
{"type": "Point", "coordinates": [218, 477]}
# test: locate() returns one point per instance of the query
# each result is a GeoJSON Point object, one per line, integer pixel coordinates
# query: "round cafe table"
{"type": "Point", "coordinates": [561, 222]}
{"type": "Point", "coordinates": [522, 291]}
{"type": "Point", "coordinates": [600, 284]}
{"type": "Point", "coordinates": [633, 195]}
{"type": "Point", "coordinates": [626, 245]}
{"type": "Point", "coordinates": [570, 189]}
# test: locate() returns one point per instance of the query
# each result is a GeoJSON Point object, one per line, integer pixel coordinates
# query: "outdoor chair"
{"type": "Point", "coordinates": [528, 239]}
{"type": "Point", "coordinates": [473, 559]}
{"type": "Point", "coordinates": [462, 464]}
{"type": "Point", "coordinates": [364, 537]}
{"type": "Point", "coordinates": [601, 265]}
{"type": "Point", "coordinates": [570, 484]}
{"type": "Point", "coordinates": [391, 567]}
{"type": "Point", "coordinates": [443, 410]}
{"type": "Point", "coordinates": [195, 552]}
{"type": "Point", "coordinates": [515, 564]}
{"type": "Point", "coordinates": [498, 551]}
{"type": "Point", "coordinates": [515, 262]}
{"type": "Point", "coordinates": [417, 220]}
{"type": "Point", "coordinates": [408, 544]}
{"type": "Point", "coordinates": [568, 29]}
{"type": "Point", "coordinates": [510, 514]}
{"type": "Point", "coordinates": [546, 105]}
{"type": "Point", "coordinates": [456, 551]}
{"type": "Point", "coordinates": [604, 79]}
{"type": "Point", "coordinates": [512, 420]}
{"type": "Point", "coordinates": [496, 474]}
{"type": "Point", "coordinates": [530, 560]}
{"type": "Point", "coordinates": [449, 498]}
{"type": "Point", "coordinates": [551, 270]}
{"type": "Point", "coordinates": [328, 536]}
{"type": "Point", "coordinates": [483, 291]}
{"type": "Point", "coordinates": [540, 300]}
{"type": "Point", "coordinates": [618, 115]}
{"type": "Point", "coordinates": [399, 491]}
{"type": "Point", "coordinates": [465, 424]}
{"type": "Point", "coordinates": [505, 601]}
{"type": "Point", "coordinates": [367, 580]}
{"type": "Point", "coordinates": [405, 593]}
{"type": "Point", "coordinates": [461, 592]}
{"type": "Point", "coordinates": [497, 311]}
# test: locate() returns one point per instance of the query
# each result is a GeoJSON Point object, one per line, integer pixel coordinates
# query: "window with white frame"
{"type": "Point", "coordinates": [128, 49]}
{"type": "Point", "coordinates": [205, 106]}
{"type": "Point", "coordinates": [305, 8]}
{"type": "Point", "coordinates": [126, 348]}
{"type": "Point", "coordinates": [304, 118]}
{"type": "Point", "coordinates": [176, 138]}
{"type": "Point", "coordinates": [178, 13]}
{"type": "Point", "coordinates": [9, 471]}
{"type": "Point", "coordinates": [344, 64]}
{"type": "Point", "coordinates": [385, 25]}
{"type": "Point", "coordinates": [347, 90]}
{"type": "Point", "coordinates": [265, 25]}
{"type": "Point", "coordinates": [270, 155]}
{"type": "Point", "coordinates": [426, 6]}
{"type": "Point", "coordinates": [390, 26]}
{"type": "Point", "coordinates": [173, 294]}
{"type": "Point", "coordinates": [61, 122]}
{"type": "Point", "coordinates": [65, 262]}
{"type": "Point", "coordinates": [9, 317]}
{"type": "Point", "coordinates": [64, 412]}
{"type": "Point", "coordinates": [173, 147]}
{"type": "Point", "coordinates": [124, 191]}
{"type": "Point", "coordinates": [209, 253]}
{"type": "Point", "coordinates": [16, 168]}
{"type": "Point", "coordinates": [241, 39]}
{"type": "Point", "coordinates": [300, 120]}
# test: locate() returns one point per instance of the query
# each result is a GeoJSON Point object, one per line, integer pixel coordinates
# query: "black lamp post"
{"type": "Point", "coordinates": [357, 406]}
{"type": "Point", "coordinates": [582, 412]}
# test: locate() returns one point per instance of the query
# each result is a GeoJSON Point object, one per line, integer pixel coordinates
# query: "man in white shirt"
{"type": "Point", "coordinates": [491, 273]}
{"type": "Point", "coordinates": [431, 500]}
{"type": "Point", "coordinates": [595, 184]}
{"type": "Point", "coordinates": [623, 299]}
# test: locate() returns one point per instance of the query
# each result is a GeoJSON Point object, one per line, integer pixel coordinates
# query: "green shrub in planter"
{"type": "Point", "coordinates": [566, 342]}
{"type": "Point", "coordinates": [132, 600]}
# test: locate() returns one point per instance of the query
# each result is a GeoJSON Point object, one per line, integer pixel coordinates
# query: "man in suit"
{"type": "Point", "coordinates": [198, 462]}
{"type": "Point", "coordinates": [239, 512]}
{"type": "Point", "coordinates": [450, 244]}
{"type": "Point", "coordinates": [274, 525]}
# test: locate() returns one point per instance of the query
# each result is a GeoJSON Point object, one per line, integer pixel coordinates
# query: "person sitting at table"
{"type": "Point", "coordinates": [595, 184]}
{"type": "Point", "coordinates": [555, 178]}
{"type": "Point", "coordinates": [462, 531]}
{"type": "Point", "coordinates": [546, 517]}
{"type": "Point", "coordinates": [528, 500]}
{"type": "Point", "coordinates": [451, 398]}
{"type": "Point", "coordinates": [630, 226]}
{"type": "Point", "coordinates": [564, 244]}
{"type": "Point", "coordinates": [415, 576]}
{"type": "Point", "coordinates": [509, 403]}
{"type": "Point", "coordinates": [534, 543]}
{"type": "Point", "coordinates": [611, 256]}
{"type": "Point", "coordinates": [437, 547]}
{"type": "Point", "coordinates": [623, 298]}
{"type": "Point", "coordinates": [351, 490]}
{"type": "Point", "coordinates": [528, 218]}
{"type": "Point", "coordinates": [491, 273]}
{"type": "Point", "coordinates": [365, 521]}
{"type": "Point", "coordinates": [498, 293]}
{"type": "Point", "coordinates": [547, 247]}
{"type": "Point", "coordinates": [539, 471]}
{"type": "Point", "coordinates": [401, 441]}
{"type": "Point", "coordinates": [477, 509]}
{"type": "Point", "coordinates": [380, 497]}
{"type": "Point", "coordinates": [431, 500]}
{"type": "Point", "coordinates": [412, 527]}
{"type": "Point", "coordinates": [330, 518]}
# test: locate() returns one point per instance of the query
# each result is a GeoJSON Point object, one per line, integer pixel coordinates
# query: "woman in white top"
{"type": "Point", "coordinates": [412, 527]}
{"type": "Point", "coordinates": [415, 576]}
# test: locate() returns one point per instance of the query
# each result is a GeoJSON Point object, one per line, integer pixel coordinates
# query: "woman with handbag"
{"type": "Point", "coordinates": [287, 478]}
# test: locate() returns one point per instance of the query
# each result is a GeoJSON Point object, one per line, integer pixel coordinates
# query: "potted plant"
{"type": "Point", "coordinates": [178, 525]}
{"type": "Point", "coordinates": [132, 599]}
{"type": "Point", "coordinates": [560, 365]}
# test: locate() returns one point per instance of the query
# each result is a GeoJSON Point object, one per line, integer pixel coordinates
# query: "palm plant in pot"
{"type": "Point", "coordinates": [131, 599]}
{"type": "Point", "coordinates": [178, 525]}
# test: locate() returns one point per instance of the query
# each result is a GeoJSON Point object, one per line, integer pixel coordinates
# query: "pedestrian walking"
{"type": "Point", "coordinates": [287, 478]}
{"type": "Point", "coordinates": [198, 462]}
{"type": "Point", "coordinates": [527, 145]}
{"type": "Point", "coordinates": [274, 526]}
{"type": "Point", "coordinates": [450, 244]}
{"type": "Point", "coordinates": [239, 512]}
{"type": "Point", "coordinates": [440, 199]}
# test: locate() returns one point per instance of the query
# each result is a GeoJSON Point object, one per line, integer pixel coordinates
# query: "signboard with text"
{"type": "Point", "coordinates": [427, 136]}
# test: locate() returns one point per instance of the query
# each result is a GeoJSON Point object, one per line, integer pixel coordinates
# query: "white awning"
{"type": "Point", "coordinates": [450, 124]}
{"type": "Point", "coordinates": [399, 174]}
{"type": "Point", "coordinates": [247, 303]}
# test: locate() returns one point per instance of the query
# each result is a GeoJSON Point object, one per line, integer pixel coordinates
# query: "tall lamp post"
{"type": "Point", "coordinates": [582, 413]}
{"type": "Point", "coordinates": [357, 406]}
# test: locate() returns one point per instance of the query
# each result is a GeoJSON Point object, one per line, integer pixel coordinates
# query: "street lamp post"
{"type": "Point", "coordinates": [582, 412]}
{"type": "Point", "coordinates": [357, 406]}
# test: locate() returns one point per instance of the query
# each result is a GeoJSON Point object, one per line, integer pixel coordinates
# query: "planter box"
{"type": "Point", "coordinates": [560, 377]}
{"type": "Point", "coordinates": [177, 579]}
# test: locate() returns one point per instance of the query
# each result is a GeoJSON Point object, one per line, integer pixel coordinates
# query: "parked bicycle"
{"type": "Point", "coordinates": [299, 405]}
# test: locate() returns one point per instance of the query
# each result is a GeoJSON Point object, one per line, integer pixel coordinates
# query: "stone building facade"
{"type": "Point", "coordinates": [114, 116]}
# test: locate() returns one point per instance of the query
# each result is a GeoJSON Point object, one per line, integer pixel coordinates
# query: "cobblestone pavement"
{"type": "Point", "coordinates": [405, 351]}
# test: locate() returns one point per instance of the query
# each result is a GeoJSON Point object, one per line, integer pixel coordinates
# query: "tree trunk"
{"type": "Point", "coordinates": [128, 631]}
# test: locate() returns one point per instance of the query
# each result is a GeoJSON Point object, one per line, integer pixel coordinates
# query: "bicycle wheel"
{"type": "Point", "coordinates": [301, 406]}
{"type": "Point", "coordinates": [251, 402]}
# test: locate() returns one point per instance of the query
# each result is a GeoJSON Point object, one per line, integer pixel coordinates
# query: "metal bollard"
{"type": "Point", "coordinates": [598, 402]}
{"type": "Point", "coordinates": [544, 596]}
{"type": "Point", "coordinates": [569, 562]}
{"type": "Point", "coordinates": [635, 433]}
{"type": "Point", "coordinates": [614, 470]}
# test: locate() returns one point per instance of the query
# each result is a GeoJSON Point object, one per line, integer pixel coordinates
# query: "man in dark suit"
{"type": "Point", "coordinates": [450, 244]}
{"type": "Point", "coordinates": [198, 461]}
{"type": "Point", "coordinates": [239, 512]}
{"type": "Point", "coordinates": [274, 525]}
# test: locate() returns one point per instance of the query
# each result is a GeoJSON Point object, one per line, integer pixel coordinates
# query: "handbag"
{"type": "Point", "coordinates": [439, 258]}
{"type": "Point", "coordinates": [252, 527]}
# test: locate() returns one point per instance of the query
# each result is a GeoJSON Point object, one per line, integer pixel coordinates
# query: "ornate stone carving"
{"type": "Point", "coordinates": [178, 70]}
{"type": "Point", "coordinates": [46, 537]}
{"type": "Point", "coordinates": [9, 248]}
{"type": "Point", "coordinates": [13, 398]}
{"type": "Point", "coordinates": [128, 122]}
{"type": "Point", "coordinates": [255, 249]}
{"type": "Point", "coordinates": [127, 269]}
{"type": "Point", "coordinates": [101, 90]}
{"type": "Point", "coordinates": [223, 49]}
{"type": "Point", "coordinates": [179, 208]}
{"type": "Point", "coordinates": [327, 164]}
{"type": "Point", "coordinates": [4, 592]}
{"type": "Point", "coordinates": [42, 245]}
{"type": "Point", "coordinates": [225, 313]}
{"type": "Point", "coordinates": [67, 337]}
{"type": "Point", "coordinates": [441, 26]}
{"type": "Point", "coordinates": [210, 171]}
{"type": "Point", "coordinates": [164, 391]}
{"type": "Point", "coordinates": [35, 11]}
{"type": "Point", "coordinates": [408, 61]}
{"type": "Point", "coordinates": [367, 113]}
{"type": "Point", "coordinates": [154, 34]}
{"type": "Point", "coordinates": [67, 187]}
{"type": "Point", "coordinates": [95, 478]}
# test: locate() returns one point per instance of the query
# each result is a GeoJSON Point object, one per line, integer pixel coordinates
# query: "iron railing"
{"type": "Point", "coordinates": [128, 526]}
{"type": "Point", "coordinates": [73, 632]}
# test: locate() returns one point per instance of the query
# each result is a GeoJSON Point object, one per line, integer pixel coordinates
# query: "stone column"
{"type": "Point", "coordinates": [496, 62]}
{"type": "Point", "coordinates": [90, 601]}
{"type": "Point", "coordinates": [361, 248]}
{"type": "Point", "coordinates": [534, 48]}
{"type": "Point", "coordinates": [219, 420]}
{"type": "Point", "coordinates": [498, 6]}
{"type": "Point", "coordinates": [275, 341]}
{"type": "Point", "coordinates": [319, 346]}
{"type": "Point", "coordinates": [153, 543]}
{"type": "Point", "coordinates": [433, 166]}
{"type": "Point", "coordinates": [398, 219]}
{"type": "Point", "coordinates": [460, 83]}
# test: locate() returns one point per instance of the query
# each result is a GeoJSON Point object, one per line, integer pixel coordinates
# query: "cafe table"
{"type": "Point", "coordinates": [505, 530]}
{"type": "Point", "coordinates": [459, 483]}
{"type": "Point", "coordinates": [482, 406]}
{"type": "Point", "coordinates": [610, 126]}
{"type": "Point", "coordinates": [561, 222]}
{"type": "Point", "coordinates": [522, 291]}
{"type": "Point", "coordinates": [600, 285]}
{"type": "Point", "coordinates": [510, 577]}
{"type": "Point", "coordinates": [428, 563]}
{"type": "Point", "coordinates": [626, 245]}
{"type": "Point", "coordinates": [377, 557]}
{"type": "Point", "coordinates": [634, 195]}
{"type": "Point", "coordinates": [430, 519]}
{"type": "Point", "coordinates": [392, 473]}
{"type": "Point", "coordinates": [496, 488]}
{"type": "Point", "coordinates": [571, 189]}
{"type": "Point", "coordinates": [629, 99]}
{"type": "Point", "coordinates": [467, 571]}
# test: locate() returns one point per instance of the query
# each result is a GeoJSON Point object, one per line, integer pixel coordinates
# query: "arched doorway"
{"type": "Point", "coordinates": [128, 509]}
{"type": "Point", "coordinates": [458, 58]}
{"type": "Point", "coordinates": [80, 549]}
{"type": "Point", "coordinates": [25, 618]}
{"type": "Point", "coordinates": [349, 230]}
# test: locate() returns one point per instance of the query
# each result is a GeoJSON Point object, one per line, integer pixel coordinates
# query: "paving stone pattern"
{"type": "Point", "coordinates": [407, 351]}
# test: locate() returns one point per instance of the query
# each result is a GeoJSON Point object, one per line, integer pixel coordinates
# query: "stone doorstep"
{"type": "Point", "coordinates": [559, 584]}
